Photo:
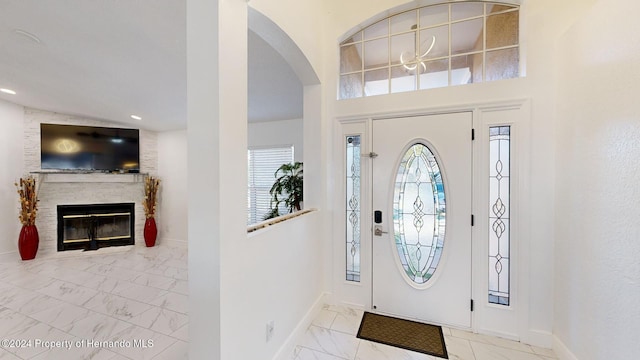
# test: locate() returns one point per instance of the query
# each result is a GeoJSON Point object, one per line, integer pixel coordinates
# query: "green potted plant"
{"type": "Point", "coordinates": [287, 189]}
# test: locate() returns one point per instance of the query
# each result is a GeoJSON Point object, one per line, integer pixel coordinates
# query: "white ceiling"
{"type": "Point", "coordinates": [111, 59]}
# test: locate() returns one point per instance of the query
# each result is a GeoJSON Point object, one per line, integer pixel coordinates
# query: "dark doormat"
{"type": "Point", "coordinates": [405, 334]}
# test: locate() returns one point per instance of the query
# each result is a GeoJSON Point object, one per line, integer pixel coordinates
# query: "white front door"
{"type": "Point", "coordinates": [422, 182]}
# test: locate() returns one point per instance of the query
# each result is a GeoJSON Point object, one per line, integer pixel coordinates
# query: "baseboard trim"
{"type": "Point", "coordinates": [538, 338]}
{"type": "Point", "coordinates": [287, 349]}
{"type": "Point", "coordinates": [503, 335]}
{"type": "Point", "coordinates": [562, 350]}
{"type": "Point", "coordinates": [174, 243]}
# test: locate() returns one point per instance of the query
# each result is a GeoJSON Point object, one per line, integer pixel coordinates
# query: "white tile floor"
{"type": "Point", "coordinates": [121, 295]}
{"type": "Point", "coordinates": [332, 336]}
{"type": "Point", "coordinates": [131, 297]}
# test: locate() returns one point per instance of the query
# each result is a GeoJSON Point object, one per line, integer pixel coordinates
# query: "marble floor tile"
{"type": "Point", "coordinates": [176, 273]}
{"type": "Point", "coordinates": [348, 321]}
{"type": "Point", "coordinates": [179, 286]}
{"type": "Point", "coordinates": [68, 292]}
{"type": "Point", "coordinates": [485, 351]}
{"type": "Point", "coordinates": [119, 357]}
{"type": "Point", "coordinates": [544, 352]}
{"type": "Point", "coordinates": [142, 343]}
{"type": "Point", "coordinates": [114, 272]}
{"type": "Point", "coordinates": [182, 333]}
{"type": "Point", "coordinates": [492, 340]}
{"type": "Point", "coordinates": [116, 306]}
{"type": "Point", "coordinates": [308, 354]}
{"type": "Point", "coordinates": [32, 302]}
{"type": "Point", "coordinates": [98, 326]}
{"type": "Point", "coordinates": [138, 292]}
{"type": "Point", "coordinates": [9, 293]}
{"type": "Point", "coordinates": [157, 281]}
{"type": "Point", "coordinates": [41, 267]}
{"type": "Point", "coordinates": [324, 319]}
{"type": "Point", "coordinates": [151, 268]}
{"type": "Point", "coordinates": [173, 301]}
{"type": "Point", "coordinates": [27, 279]}
{"type": "Point", "coordinates": [161, 320]}
{"type": "Point", "coordinates": [12, 322]}
{"type": "Point", "coordinates": [105, 284]}
{"type": "Point", "coordinates": [176, 263]}
{"type": "Point", "coordinates": [104, 260]}
{"type": "Point", "coordinates": [78, 277]}
{"type": "Point", "coordinates": [458, 348]}
{"type": "Point", "coordinates": [76, 263]}
{"type": "Point", "coordinates": [373, 351]}
{"type": "Point", "coordinates": [102, 295]}
{"type": "Point", "coordinates": [5, 355]}
{"type": "Point", "coordinates": [76, 353]}
{"type": "Point", "coordinates": [330, 342]}
{"type": "Point", "coordinates": [142, 293]}
{"type": "Point", "coordinates": [62, 316]}
{"type": "Point", "coordinates": [178, 351]}
{"type": "Point", "coordinates": [339, 342]}
{"type": "Point", "coordinates": [37, 335]}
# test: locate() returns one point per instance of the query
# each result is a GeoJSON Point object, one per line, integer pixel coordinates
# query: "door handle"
{"type": "Point", "coordinates": [377, 230]}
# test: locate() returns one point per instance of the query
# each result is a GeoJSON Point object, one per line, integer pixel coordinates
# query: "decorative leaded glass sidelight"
{"type": "Point", "coordinates": [353, 207]}
{"type": "Point", "coordinates": [499, 214]}
{"type": "Point", "coordinates": [419, 213]}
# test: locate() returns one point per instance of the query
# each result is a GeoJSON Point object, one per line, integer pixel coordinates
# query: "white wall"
{"type": "Point", "coordinates": [597, 265]}
{"type": "Point", "coordinates": [71, 190]}
{"type": "Point", "coordinates": [277, 279]}
{"type": "Point", "coordinates": [172, 170]}
{"type": "Point", "coordinates": [217, 174]}
{"type": "Point", "coordinates": [34, 117]}
{"type": "Point", "coordinates": [276, 133]}
{"type": "Point", "coordinates": [305, 28]}
{"type": "Point", "coordinates": [543, 22]}
{"type": "Point", "coordinates": [11, 169]}
{"type": "Point", "coordinates": [236, 282]}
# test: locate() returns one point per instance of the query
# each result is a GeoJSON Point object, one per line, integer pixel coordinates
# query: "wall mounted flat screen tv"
{"type": "Point", "coordinates": [71, 147]}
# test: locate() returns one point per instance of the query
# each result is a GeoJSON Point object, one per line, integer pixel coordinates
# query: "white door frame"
{"type": "Point", "coordinates": [510, 322]}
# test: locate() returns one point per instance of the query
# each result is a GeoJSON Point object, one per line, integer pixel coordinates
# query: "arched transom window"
{"type": "Point", "coordinates": [433, 46]}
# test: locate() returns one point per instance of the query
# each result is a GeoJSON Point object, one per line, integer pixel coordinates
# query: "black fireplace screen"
{"type": "Point", "coordinates": [97, 225]}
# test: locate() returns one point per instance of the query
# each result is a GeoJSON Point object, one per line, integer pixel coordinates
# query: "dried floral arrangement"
{"type": "Point", "coordinates": [28, 200]}
{"type": "Point", "coordinates": [151, 185]}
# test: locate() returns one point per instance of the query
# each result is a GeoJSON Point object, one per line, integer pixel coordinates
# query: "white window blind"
{"type": "Point", "coordinates": [263, 163]}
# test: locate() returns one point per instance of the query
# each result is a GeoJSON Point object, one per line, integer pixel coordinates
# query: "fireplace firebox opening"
{"type": "Point", "coordinates": [95, 226]}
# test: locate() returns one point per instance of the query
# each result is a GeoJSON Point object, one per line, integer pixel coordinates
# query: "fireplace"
{"type": "Point", "coordinates": [94, 226]}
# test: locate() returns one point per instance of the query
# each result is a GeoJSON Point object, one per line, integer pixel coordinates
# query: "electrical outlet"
{"type": "Point", "coordinates": [271, 326]}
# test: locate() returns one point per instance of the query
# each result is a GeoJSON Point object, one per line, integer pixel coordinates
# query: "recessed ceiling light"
{"type": "Point", "coordinates": [136, 117]}
{"type": "Point", "coordinates": [8, 91]}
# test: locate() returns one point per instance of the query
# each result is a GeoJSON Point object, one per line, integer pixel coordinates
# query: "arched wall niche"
{"type": "Point", "coordinates": [279, 40]}
{"type": "Point", "coordinates": [284, 45]}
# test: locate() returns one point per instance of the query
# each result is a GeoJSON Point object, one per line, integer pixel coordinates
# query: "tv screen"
{"type": "Point", "coordinates": [71, 147]}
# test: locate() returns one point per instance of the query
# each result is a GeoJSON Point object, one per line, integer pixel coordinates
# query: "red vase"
{"type": "Point", "coordinates": [150, 232]}
{"type": "Point", "coordinates": [28, 242]}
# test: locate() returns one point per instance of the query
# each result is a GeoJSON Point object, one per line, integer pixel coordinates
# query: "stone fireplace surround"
{"type": "Point", "coordinates": [83, 188]}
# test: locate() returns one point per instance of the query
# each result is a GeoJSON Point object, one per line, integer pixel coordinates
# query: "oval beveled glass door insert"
{"type": "Point", "coordinates": [419, 213]}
